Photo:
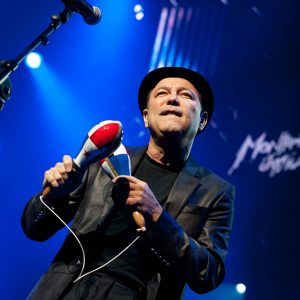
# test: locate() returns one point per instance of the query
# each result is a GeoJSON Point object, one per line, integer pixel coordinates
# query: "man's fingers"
{"type": "Point", "coordinates": [68, 163]}
{"type": "Point", "coordinates": [60, 168]}
{"type": "Point", "coordinates": [136, 194]}
{"type": "Point", "coordinates": [49, 179]}
{"type": "Point", "coordinates": [58, 176]}
{"type": "Point", "coordinates": [53, 178]}
{"type": "Point", "coordinates": [134, 183]}
{"type": "Point", "coordinates": [131, 179]}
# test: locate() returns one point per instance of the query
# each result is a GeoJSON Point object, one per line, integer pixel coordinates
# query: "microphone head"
{"type": "Point", "coordinates": [118, 163]}
{"type": "Point", "coordinates": [102, 140]}
{"type": "Point", "coordinates": [95, 18]}
{"type": "Point", "coordinates": [91, 14]}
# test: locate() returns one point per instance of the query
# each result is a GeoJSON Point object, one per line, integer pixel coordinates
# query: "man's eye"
{"type": "Point", "coordinates": [186, 95]}
{"type": "Point", "coordinates": [161, 93]}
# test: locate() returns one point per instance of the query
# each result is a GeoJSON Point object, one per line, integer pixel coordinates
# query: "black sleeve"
{"type": "Point", "coordinates": [39, 223]}
{"type": "Point", "coordinates": [198, 261]}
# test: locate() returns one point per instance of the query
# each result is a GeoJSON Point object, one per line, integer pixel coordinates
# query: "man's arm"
{"type": "Point", "coordinates": [198, 260]}
{"type": "Point", "coordinates": [38, 222]}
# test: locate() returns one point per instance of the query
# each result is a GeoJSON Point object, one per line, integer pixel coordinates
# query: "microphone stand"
{"type": "Point", "coordinates": [9, 66]}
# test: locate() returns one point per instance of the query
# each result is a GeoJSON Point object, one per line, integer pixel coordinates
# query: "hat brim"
{"type": "Point", "coordinates": [197, 80]}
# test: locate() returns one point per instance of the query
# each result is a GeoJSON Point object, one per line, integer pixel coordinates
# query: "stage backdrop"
{"type": "Point", "coordinates": [250, 52]}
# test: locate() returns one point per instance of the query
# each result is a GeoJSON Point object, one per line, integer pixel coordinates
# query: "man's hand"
{"type": "Point", "coordinates": [58, 177]}
{"type": "Point", "coordinates": [141, 196]}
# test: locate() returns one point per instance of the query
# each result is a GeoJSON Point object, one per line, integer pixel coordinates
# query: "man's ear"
{"type": "Point", "coordinates": [145, 117]}
{"type": "Point", "coordinates": [203, 121]}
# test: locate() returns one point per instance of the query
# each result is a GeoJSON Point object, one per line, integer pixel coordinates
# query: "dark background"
{"type": "Point", "coordinates": [248, 50]}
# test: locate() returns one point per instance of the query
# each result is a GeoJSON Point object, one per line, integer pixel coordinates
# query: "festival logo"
{"type": "Point", "coordinates": [272, 157]}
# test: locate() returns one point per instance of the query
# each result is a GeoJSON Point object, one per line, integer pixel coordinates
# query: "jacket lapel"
{"type": "Point", "coordinates": [136, 155]}
{"type": "Point", "coordinates": [185, 184]}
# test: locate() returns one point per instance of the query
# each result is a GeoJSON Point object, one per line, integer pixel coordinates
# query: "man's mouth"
{"type": "Point", "coordinates": [171, 112]}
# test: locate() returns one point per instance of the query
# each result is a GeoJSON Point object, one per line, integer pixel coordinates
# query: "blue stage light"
{"type": "Point", "coordinates": [138, 8]}
{"type": "Point", "coordinates": [240, 288]}
{"type": "Point", "coordinates": [139, 16]}
{"type": "Point", "coordinates": [139, 12]}
{"type": "Point", "coordinates": [33, 60]}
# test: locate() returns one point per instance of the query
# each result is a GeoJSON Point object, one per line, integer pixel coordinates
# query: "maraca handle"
{"type": "Point", "coordinates": [139, 220]}
{"type": "Point", "coordinates": [46, 191]}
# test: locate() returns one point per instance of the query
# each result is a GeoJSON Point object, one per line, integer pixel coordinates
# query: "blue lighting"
{"type": "Point", "coordinates": [240, 288]}
{"type": "Point", "coordinates": [139, 16]}
{"type": "Point", "coordinates": [33, 60]}
{"type": "Point", "coordinates": [138, 8]}
{"type": "Point", "coordinates": [139, 12]}
{"type": "Point", "coordinates": [60, 105]}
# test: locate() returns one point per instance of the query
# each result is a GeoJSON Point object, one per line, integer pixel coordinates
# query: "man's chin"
{"type": "Point", "coordinates": [172, 131]}
{"type": "Point", "coordinates": [171, 125]}
{"type": "Point", "coordinates": [176, 132]}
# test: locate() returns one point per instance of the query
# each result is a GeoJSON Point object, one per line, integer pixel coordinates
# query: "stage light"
{"type": "Point", "coordinates": [139, 12]}
{"type": "Point", "coordinates": [139, 16]}
{"type": "Point", "coordinates": [240, 288]}
{"type": "Point", "coordinates": [138, 8]}
{"type": "Point", "coordinates": [174, 3]}
{"type": "Point", "coordinates": [33, 60]}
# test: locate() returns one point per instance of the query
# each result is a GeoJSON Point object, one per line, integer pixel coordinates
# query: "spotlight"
{"type": "Point", "coordinates": [33, 60]}
{"type": "Point", "coordinates": [139, 16]}
{"type": "Point", "coordinates": [240, 288]}
{"type": "Point", "coordinates": [139, 12]}
{"type": "Point", "coordinates": [138, 8]}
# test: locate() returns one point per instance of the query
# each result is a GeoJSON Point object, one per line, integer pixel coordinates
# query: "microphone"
{"type": "Point", "coordinates": [118, 164]}
{"type": "Point", "coordinates": [91, 14]}
{"type": "Point", "coordinates": [102, 140]}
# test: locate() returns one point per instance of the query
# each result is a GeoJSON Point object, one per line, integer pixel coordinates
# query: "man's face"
{"type": "Point", "coordinates": [173, 108]}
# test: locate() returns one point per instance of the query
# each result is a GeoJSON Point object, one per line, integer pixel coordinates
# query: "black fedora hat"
{"type": "Point", "coordinates": [197, 80]}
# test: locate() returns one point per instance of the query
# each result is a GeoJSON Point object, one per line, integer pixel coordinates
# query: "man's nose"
{"type": "Point", "coordinates": [173, 99]}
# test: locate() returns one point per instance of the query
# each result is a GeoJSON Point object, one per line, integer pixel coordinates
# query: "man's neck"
{"type": "Point", "coordinates": [168, 153]}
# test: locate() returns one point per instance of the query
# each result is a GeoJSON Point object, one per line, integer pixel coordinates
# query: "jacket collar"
{"type": "Point", "coordinates": [187, 181]}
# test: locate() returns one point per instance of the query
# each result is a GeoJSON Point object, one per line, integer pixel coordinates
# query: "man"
{"type": "Point", "coordinates": [188, 209]}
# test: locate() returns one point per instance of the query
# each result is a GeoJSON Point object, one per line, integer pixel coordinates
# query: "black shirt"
{"type": "Point", "coordinates": [132, 265]}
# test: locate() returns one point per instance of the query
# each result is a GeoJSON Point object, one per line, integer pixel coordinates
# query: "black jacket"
{"type": "Point", "coordinates": [188, 242]}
